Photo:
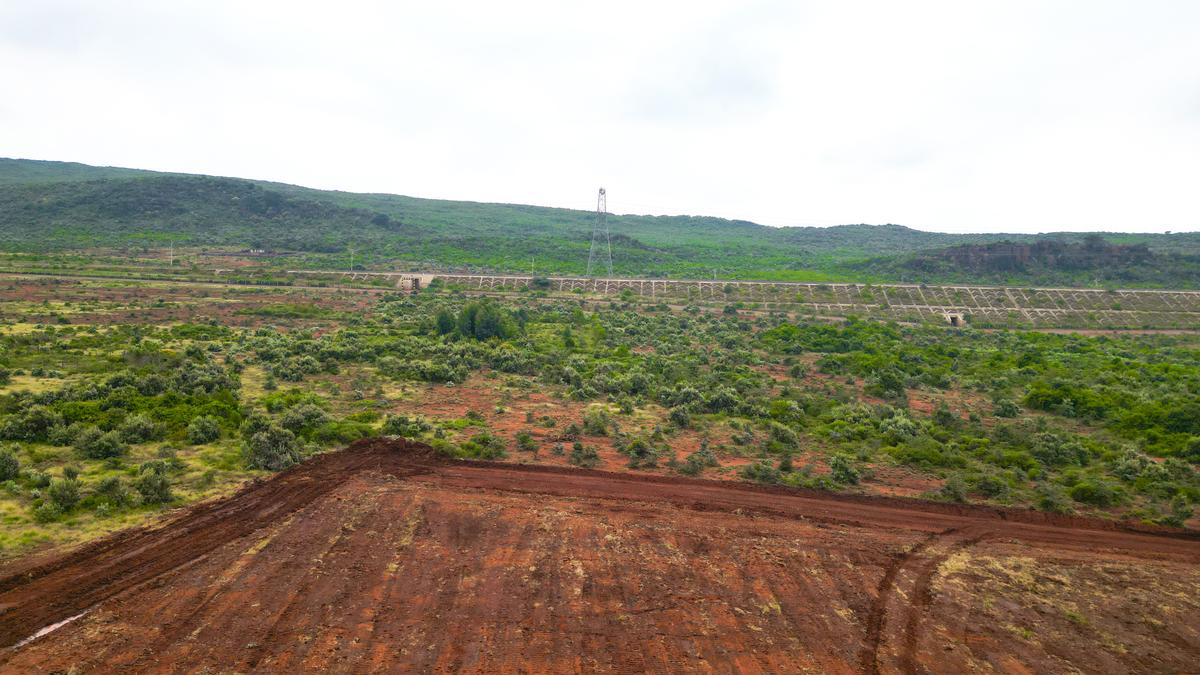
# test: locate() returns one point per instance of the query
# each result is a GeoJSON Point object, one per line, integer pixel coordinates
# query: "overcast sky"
{"type": "Point", "coordinates": [952, 116]}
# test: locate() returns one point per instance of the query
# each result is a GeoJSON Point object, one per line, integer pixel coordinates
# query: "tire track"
{"type": "Point", "coordinates": [49, 590]}
{"type": "Point", "coordinates": [869, 657]}
{"type": "Point", "coordinates": [922, 598]}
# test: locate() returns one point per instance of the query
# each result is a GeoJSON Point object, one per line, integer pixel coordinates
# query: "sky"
{"type": "Point", "coordinates": [989, 115]}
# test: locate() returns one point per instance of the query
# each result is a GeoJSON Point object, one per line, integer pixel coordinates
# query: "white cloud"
{"type": "Point", "coordinates": [1015, 116]}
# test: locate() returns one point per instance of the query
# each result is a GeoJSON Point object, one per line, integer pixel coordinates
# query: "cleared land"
{"type": "Point", "coordinates": [385, 557]}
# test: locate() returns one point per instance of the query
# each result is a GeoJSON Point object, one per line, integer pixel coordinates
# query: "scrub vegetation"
{"type": "Point", "coordinates": [105, 422]}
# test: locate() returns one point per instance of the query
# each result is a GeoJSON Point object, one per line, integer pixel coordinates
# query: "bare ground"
{"type": "Point", "coordinates": [384, 557]}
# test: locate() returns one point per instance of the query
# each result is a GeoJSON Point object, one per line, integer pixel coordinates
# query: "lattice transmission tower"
{"type": "Point", "coordinates": [598, 230]}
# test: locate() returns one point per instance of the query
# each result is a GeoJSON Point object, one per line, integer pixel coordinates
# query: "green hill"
{"type": "Point", "coordinates": [57, 206]}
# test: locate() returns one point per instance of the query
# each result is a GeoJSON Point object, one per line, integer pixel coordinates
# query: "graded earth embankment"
{"type": "Point", "coordinates": [383, 557]}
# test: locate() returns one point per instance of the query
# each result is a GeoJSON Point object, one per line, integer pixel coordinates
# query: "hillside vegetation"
{"type": "Point", "coordinates": [55, 206]}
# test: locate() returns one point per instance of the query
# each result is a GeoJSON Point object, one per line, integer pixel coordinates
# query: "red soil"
{"type": "Point", "coordinates": [384, 557]}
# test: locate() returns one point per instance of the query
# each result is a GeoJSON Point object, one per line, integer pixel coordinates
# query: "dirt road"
{"type": "Point", "coordinates": [383, 557]}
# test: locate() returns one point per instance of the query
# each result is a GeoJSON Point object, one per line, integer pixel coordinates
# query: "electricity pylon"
{"type": "Point", "coordinates": [600, 227]}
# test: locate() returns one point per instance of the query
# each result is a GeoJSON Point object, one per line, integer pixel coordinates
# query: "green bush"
{"type": "Point", "coordinates": [304, 418]}
{"type": "Point", "coordinates": [47, 512]}
{"type": "Point", "coordinates": [112, 489]}
{"type": "Point", "coordinates": [1007, 408]}
{"type": "Point", "coordinates": [680, 417]}
{"type": "Point", "coordinates": [402, 425]}
{"type": "Point", "coordinates": [32, 424]}
{"type": "Point", "coordinates": [10, 466]}
{"type": "Point", "coordinates": [154, 486]}
{"type": "Point", "coordinates": [64, 494]}
{"type": "Point", "coordinates": [760, 472]}
{"type": "Point", "coordinates": [94, 444]}
{"type": "Point", "coordinates": [954, 490]}
{"type": "Point", "coordinates": [990, 485]}
{"type": "Point", "coordinates": [596, 422]}
{"type": "Point", "coordinates": [1050, 498]}
{"type": "Point", "coordinates": [203, 429]}
{"type": "Point", "coordinates": [842, 470]}
{"type": "Point", "coordinates": [273, 449]}
{"type": "Point", "coordinates": [1095, 493]}
{"type": "Point", "coordinates": [526, 442]}
{"type": "Point", "coordinates": [582, 456]}
{"type": "Point", "coordinates": [484, 445]}
{"type": "Point", "coordinates": [138, 429]}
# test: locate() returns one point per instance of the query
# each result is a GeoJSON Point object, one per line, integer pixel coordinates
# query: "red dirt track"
{"type": "Point", "coordinates": [383, 557]}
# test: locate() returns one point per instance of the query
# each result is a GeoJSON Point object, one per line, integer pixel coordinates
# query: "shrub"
{"type": "Point", "coordinates": [154, 486]}
{"type": "Point", "coordinates": [944, 417]}
{"type": "Point", "coordinates": [954, 490]}
{"type": "Point", "coordinates": [1181, 511]}
{"type": "Point", "coordinates": [525, 441]}
{"type": "Point", "coordinates": [582, 456]}
{"type": "Point", "coordinates": [304, 418]}
{"type": "Point", "coordinates": [94, 444]}
{"type": "Point", "coordinates": [1050, 498]}
{"type": "Point", "coordinates": [1007, 408]}
{"type": "Point", "coordinates": [47, 512]}
{"type": "Point", "coordinates": [680, 418]}
{"type": "Point", "coordinates": [842, 470]}
{"type": "Point", "coordinates": [63, 434]}
{"type": "Point", "coordinates": [138, 429]}
{"type": "Point", "coordinates": [113, 489]}
{"type": "Point", "coordinates": [484, 445]}
{"type": "Point", "coordinates": [64, 494]}
{"type": "Point", "coordinates": [990, 485]}
{"type": "Point", "coordinates": [596, 422]}
{"type": "Point", "coordinates": [273, 449]}
{"type": "Point", "coordinates": [10, 466]}
{"type": "Point", "coordinates": [32, 424]}
{"type": "Point", "coordinates": [761, 472]}
{"type": "Point", "coordinates": [898, 428]}
{"type": "Point", "coordinates": [1054, 450]}
{"type": "Point", "coordinates": [402, 425]}
{"type": "Point", "coordinates": [1192, 451]}
{"type": "Point", "coordinates": [641, 454]}
{"type": "Point", "coordinates": [1094, 492]}
{"type": "Point", "coordinates": [203, 429]}
{"type": "Point", "coordinates": [253, 424]}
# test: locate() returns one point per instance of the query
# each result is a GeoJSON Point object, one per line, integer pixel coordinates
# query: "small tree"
{"type": "Point", "coordinates": [203, 429]}
{"type": "Point", "coordinates": [444, 322]}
